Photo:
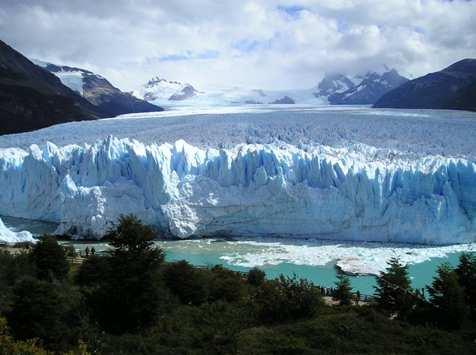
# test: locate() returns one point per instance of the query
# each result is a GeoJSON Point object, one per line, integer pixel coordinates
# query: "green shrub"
{"type": "Point", "coordinates": [286, 299]}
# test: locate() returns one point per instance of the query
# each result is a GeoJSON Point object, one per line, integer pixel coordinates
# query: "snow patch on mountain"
{"type": "Point", "coordinates": [351, 193]}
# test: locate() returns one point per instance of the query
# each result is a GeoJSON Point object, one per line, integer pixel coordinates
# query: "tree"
{"type": "Point", "coordinates": [186, 282]}
{"type": "Point", "coordinates": [128, 296]}
{"type": "Point", "coordinates": [255, 276]}
{"type": "Point", "coordinates": [43, 310]}
{"type": "Point", "coordinates": [447, 298]}
{"type": "Point", "coordinates": [286, 298]}
{"type": "Point", "coordinates": [466, 272]}
{"type": "Point", "coordinates": [393, 290]}
{"type": "Point", "coordinates": [343, 291]}
{"type": "Point", "coordinates": [50, 260]}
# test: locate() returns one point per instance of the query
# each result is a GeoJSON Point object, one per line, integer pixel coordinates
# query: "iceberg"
{"type": "Point", "coordinates": [8, 236]}
{"type": "Point", "coordinates": [356, 193]}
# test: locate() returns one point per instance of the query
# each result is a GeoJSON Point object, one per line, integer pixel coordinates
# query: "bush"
{"type": "Point", "coordinates": [50, 260]}
{"type": "Point", "coordinates": [225, 285]}
{"type": "Point", "coordinates": [255, 276]}
{"type": "Point", "coordinates": [43, 310]}
{"type": "Point", "coordinates": [186, 282]}
{"type": "Point", "coordinates": [286, 299]}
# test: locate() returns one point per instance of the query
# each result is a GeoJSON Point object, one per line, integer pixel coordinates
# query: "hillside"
{"type": "Point", "coordinates": [32, 98]}
{"type": "Point", "coordinates": [108, 99]}
{"type": "Point", "coordinates": [451, 88]}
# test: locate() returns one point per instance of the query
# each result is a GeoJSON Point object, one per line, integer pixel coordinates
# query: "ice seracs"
{"type": "Point", "coordinates": [7, 236]}
{"type": "Point", "coordinates": [352, 193]}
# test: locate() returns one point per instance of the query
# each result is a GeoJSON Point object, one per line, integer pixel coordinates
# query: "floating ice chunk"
{"type": "Point", "coordinates": [10, 237]}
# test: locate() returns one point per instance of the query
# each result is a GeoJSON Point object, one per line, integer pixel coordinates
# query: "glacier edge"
{"type": "Point", "coordinates": [353, 193]}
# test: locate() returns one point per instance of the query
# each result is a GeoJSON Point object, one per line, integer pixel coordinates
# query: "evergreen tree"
{"type": "Point", "coordinates": [127, 298]}
{"type": "Point", "coordinates": [255, 276]}
{"type": "Point", "coordinates": [393, 290]}
{"type": "Point", "coordinates": [466, 272]}
{"type": "Point", "coordinates": [447, 298]}
{"type": "Point", "coordinates": [343, 291]}
{"type": "Point", "coordinates": [50, 259]}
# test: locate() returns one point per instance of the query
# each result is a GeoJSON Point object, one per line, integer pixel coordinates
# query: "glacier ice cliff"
{"type": "Point", "coordinates": [10, 237]}
{"type": "Point", "coordinates": [353, 193]}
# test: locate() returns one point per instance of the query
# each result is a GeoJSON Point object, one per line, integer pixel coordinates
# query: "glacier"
{"type": "Point", "coordinates": [357, 193]}
{"type": "Point", "coordinates": [8, 236]}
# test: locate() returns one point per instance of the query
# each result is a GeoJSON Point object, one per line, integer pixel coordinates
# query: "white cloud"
{"type": "Point", "coordinates": [251, 43]}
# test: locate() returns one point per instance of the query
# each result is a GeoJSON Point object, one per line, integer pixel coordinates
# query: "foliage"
{"type": "Point", "coordinates": [225, 285]}
{"type": "Point", "coordinates": [285, 299]}
{"type": "Point", "coordinates": [393, 292]}
{"type": "Point", "coordinates": [9, 346]}
{"type": "Point", "coordinates": [255, 277]}
{"type": "Point", "coordinates": [130, 301]}
{"type": "Point", "coordinates": [447, 296]}
{"type": "Point", "coordinates": [50, 259]}
{"type": "Point", "coordinates": [127, 295]}
{"type": "Point", "coordinates": [466, 272]}
{"type": "Point", "coordinates": [186, 282]}
{"type": "Point", "coordinates": [350, 331]}
{"type": "Point", "coordinates": [343, 291]}
{"type": "Point", "coordinates": [43, 310]}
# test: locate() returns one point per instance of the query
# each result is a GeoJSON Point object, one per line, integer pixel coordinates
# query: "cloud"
{"type": "Point", "coordinates": [261, 44]}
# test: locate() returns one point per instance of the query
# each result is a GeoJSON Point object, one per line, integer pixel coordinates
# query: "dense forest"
{"type": "Point", "coordinates": [131, 301]}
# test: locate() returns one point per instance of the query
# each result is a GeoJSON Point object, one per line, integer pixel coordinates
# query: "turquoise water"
{"type": "Point", "coordinates": [209, 253]}
{"type": "Point", "coordinates": [421, 274]}
{"type": "Point", "coordinates": [314, 261]}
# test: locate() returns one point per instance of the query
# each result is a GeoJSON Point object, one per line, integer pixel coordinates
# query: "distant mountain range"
{"type": "Point", "coordinates": [451, 88]}
{"type": "Point", "coordinates": [359, 90]}
{"type": "Point", "coordinates": [109, 100]}
{"type": "Point", "coordinates": [336, 89]}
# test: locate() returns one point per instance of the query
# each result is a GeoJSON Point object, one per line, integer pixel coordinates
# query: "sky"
{"type": "Point", "coordinates": [268, 44]}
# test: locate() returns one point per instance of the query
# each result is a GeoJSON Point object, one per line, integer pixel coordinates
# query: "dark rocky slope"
{"type": "Point", "coordinates": [451, 88]}
{"type": "Point", "coordinates": [109, 100]}
{"type": "Point", "coordinates": [32, 98]}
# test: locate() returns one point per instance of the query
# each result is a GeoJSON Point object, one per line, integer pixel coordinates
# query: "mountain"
{"type": "Point", "coordinates": [33, 98]}
{"type": "Point", "coordinates": [159, 90]}
{"type": "Point", "coordinates": [334, 84]}
{"type": "Point", "coordinates": [359, 90]}
{"type": "Point", "coordinates": [451, 88]}
{"type": "Point", "coordinates": [285, 100]}
{"type": "Point", "coordinates": [109, 100]}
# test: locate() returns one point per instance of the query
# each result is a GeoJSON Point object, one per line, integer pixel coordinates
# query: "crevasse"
{"type": "Point", "coordinates": [355, 193]}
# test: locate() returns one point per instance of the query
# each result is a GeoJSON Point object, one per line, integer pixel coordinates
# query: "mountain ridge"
{"type": "Point", "coordinates": [109, 100]}
{"type": "Point", "coordinates": [453, 87]}
{"type": "Point", "coordinates": [33, 98]}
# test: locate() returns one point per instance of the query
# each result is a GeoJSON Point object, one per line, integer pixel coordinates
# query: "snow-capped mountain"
{"type": "Point", "coordinates": [335, 84]}
{"type": "Point", "coordinates": [159, 90]}
{"type": "Point", "coordinates": [165, 92]}
{"type": "Point", "coordinates": [358, 90]}
{"type": "Point", "coordinates": [98, 90]}
{"type": "Point", "coordinates": [33, 98]}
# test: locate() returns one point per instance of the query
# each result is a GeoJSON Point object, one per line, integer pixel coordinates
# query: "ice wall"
{"type": "Point", "coordinates": [10, 237]}
{"type": "Point", "coordinates": [355, 193]}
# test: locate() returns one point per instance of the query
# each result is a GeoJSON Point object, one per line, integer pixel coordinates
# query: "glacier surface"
{"type": "Point", "coordinates": [353, 193]}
